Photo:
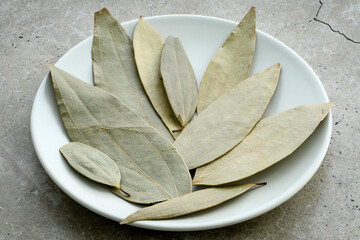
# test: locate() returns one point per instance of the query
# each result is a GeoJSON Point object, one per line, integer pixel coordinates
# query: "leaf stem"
{"type": "Point", "coordinates": [261, 184]}
{"type": "Point", "coordinates": [177, 130]}
{"type": "Point", "coordinates": [127, 194]}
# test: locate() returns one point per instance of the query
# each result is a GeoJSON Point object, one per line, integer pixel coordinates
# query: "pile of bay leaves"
{"type": "Point", "coordinates": [135, 132]}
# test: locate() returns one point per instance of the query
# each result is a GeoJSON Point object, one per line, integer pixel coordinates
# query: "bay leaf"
{"type": "Point", "coordinates": [115, 71]}
{"type": "Point", "coordinates": [189, 203]}
{"type": "Point", "coordinates": [179, 80]}
{"type": "Point", "coordinates": [223, 124]}
{"type": "Point", "coordinates": [151, 168]}
{"type": "Point", "coordinates": [148, 45]}
{"type": "Point", "coordinates": [92, 163]}
{"type": "Point", "coordinates": [271, 140]}
{"type": "Point", "coordinates": [231, 63]}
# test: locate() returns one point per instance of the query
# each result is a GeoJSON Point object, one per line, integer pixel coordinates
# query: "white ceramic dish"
{"type": "Point", "coordinates": [201, 37]}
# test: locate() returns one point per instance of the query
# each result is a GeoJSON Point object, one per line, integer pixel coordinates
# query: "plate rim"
{"type": "Point", "coordinates": [150, 224]}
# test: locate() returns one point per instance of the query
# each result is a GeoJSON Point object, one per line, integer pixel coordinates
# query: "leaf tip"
{"type": "Point", "coordinates": [61, 150]}
{"type": "Point", "coordinates": [122, 222]}
{"type": "Point", "coordinates": [126, 220]}
{"type": "Point", "coordinates": [327, 107]}
{"type": "Point", "coordinates": [251, 15]}
{"type": "Point", "coordinates": [102, 11]}
{"type": "Point", "coordinates": [50, 66]}
{"type": "Point", "coordinates": [141, 18]}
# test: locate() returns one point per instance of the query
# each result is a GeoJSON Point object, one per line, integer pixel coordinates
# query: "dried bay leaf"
{"type": "Point", "coordinates": [179, 80]}
{"type": "Point", "coordinates": [115, 70]}
{"type": "Point", "coordinates": [189, 203]}
{"type": "Point", "coordinates": [150, 167]}
{"type": "Point", "coordinates": [271, 140]}
{"type": "Point", "coordinates": [92, 163]}
{"type": "Point", "coordinates": [148, 45]}
{"type": "Point", "coordinates": [223, 124]}
{"type": "Point", "coordinates": [231, 63]}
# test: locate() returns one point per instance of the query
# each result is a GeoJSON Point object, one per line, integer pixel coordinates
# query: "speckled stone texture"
{"type": "Point", "coordinates": [33, 33]}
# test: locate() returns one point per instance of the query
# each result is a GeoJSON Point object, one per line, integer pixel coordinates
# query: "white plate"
{"type": "Point", "coordinates": [201, 37]}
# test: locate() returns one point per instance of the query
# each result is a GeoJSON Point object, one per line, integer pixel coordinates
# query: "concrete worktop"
{"type": "Point", "coordinates": [34, 33]}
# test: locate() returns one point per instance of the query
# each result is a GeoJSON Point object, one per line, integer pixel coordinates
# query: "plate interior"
{"type": "Point", "coordinates": [201, 37]}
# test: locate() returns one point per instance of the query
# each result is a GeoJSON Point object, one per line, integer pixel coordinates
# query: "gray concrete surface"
{"type": "Point", "coordinates": [33, 33]}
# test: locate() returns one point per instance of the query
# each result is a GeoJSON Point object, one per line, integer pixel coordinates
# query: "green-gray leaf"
{"type": "Point", "coordinates": [189, 203]}
{"type": "Point", "coordinates": [179, 80]}
{"type": "Point", "coordinates": [271, 140]}
{"type": "Point", "coordinates": [231, 63]}
{"type": "Point", "coordinates": [115, 70]}
{"type": "Point", "coordinates": [148, 45]}
{"type": "Point", "coordinates": [151, 168]}
{"type": "Point", "coordinates": [92, 163]}
{"type": "Point", "coordinates": [223, 124]}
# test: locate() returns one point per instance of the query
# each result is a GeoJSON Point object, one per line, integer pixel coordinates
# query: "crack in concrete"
{"type": "Point", "coordinates": [327, 24]}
